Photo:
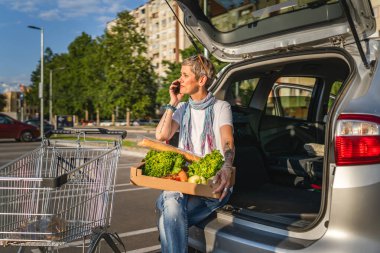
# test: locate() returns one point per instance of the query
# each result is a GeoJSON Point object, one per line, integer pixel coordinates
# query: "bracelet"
{"type": "Point", "coordinates": [170, 107]}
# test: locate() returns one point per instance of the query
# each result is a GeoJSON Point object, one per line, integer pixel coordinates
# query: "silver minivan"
{"type": "Point", "coordinates": [304, 86]}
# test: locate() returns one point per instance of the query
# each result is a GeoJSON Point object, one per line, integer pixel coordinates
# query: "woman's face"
{"type": "Point", "coordinates": [188, 84]}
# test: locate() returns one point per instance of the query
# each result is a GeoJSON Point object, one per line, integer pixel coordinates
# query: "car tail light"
{"type": "Point", "coordinates": [357, 139]}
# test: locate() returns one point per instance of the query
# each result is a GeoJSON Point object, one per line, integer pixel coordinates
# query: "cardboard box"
{"type": "Point", "coordinates": [137, 178]}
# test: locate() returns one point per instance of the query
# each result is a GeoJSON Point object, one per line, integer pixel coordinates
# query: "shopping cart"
{"type": "Point", "coordinates": [60, 192]}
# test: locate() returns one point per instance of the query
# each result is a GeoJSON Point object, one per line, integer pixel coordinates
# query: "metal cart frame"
{"type": "Point", "coordinates": [60, 192]}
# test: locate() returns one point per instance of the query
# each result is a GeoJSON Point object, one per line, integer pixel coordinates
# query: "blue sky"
{"type": "Point", "coordinates": [62, 20]}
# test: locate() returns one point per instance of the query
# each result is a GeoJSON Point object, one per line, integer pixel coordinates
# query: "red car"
{"type": "Point", "coordinates": [14, 129]}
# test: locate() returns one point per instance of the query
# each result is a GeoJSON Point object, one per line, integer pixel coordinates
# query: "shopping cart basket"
{"type": "Point", "coordinates": [60, 192]}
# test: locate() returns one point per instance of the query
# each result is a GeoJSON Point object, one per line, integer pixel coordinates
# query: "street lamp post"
{"type": "Point", "coordinates": [205, 12]}
{"type": "Point", "coordinates": [51, 94]}
{"type": "Point", "coordinates": [40, 88]}
{"type": "Point", "coordinates": [51, 97]}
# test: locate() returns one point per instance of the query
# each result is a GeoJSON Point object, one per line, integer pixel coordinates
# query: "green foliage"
{"type": "Point", "coordinates": [76, 91]}
{"type": "Point", "coordinates": [102, 73]}
{"type": "Point", "coordinates": [335, 89]}
{"type": "Point", "coordinates": [190, 51]}
{"type": "Point", "coordinates": [31, 97]}
{"type": "Point", "coordinates": [173, 72]}
{"type": "Point", "coordinates": [106, 72]}
{"type": "Point", "coordinates": [160, 164]}
{"type": "Point", "coordinates": [207, 166]}
{"type": "Point", "coordinates": [130, 79]}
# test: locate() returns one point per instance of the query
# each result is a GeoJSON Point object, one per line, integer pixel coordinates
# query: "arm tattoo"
{"type": "Point", "coordinates": [229, 154]}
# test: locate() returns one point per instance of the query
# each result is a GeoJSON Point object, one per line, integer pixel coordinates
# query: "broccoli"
{"type": "Point", "coordinates": [207, 166]}
{"type": "Point", "coordinates": [163, 163]}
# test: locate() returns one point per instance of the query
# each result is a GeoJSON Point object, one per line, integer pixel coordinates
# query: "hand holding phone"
{"type": "Point", "coordinates": [176, 87]}
{"type": "Point", "coordinates": [174, 92]}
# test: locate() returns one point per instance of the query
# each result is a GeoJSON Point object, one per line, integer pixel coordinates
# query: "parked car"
{"type": "Point", "coordinates": [106, 123]}
{"type": "Point", "coordinates": [155, 121]}
{"type": "Point", "coordinates": [121, 122]}
{"type": "Point", "coordinates": [88, 123]}
{"type": "Point", "coordinates": [13, 129]}
{"type": "Point", "coordinates": [141, 122]}
{"type": "Point", "coordinates": [284, 199]}
{"type": "Point", "coordinates": [36, 122]}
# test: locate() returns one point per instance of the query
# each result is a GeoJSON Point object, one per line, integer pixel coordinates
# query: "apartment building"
{"type": "Point", "coordinates": [14, 108]}
{"type": "Point", "coordinates": [165, 37]}
{"type": "Point", "coordinates": [12, 101]}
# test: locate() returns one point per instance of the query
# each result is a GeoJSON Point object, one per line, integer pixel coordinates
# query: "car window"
{"type": "Point", "coordinates": [5, 120]}
{"type": "Point", "coordinates": [290, 97]}
{"type": "Point", "coordinates": [227, 16]}
{"type": "Point", "coordinates": [240, 92]}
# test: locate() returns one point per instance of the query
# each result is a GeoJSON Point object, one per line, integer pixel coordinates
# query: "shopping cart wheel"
{"type": "Point", "coordinates": [99, 234]}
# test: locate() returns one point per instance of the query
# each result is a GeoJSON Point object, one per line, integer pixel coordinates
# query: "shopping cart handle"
{"type": "Point", "coordinates": [122, 133]}
{"type": "Point", "coordinates": [51, 132]}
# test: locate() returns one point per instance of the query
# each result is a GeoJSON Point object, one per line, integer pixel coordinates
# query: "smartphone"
{"type": "Point", "coordinates": [176, 89]}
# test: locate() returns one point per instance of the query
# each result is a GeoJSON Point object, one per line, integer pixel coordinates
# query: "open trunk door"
{"type": "Point", "coordinates": [239, 29]}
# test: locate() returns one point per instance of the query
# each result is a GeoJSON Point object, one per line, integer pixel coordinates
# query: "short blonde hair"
{"type": "Point", "coordinates": [201, 66]}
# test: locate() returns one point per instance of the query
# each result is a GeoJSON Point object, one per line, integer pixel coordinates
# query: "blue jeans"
{"type": "Point", "coordinates": [178, 212]}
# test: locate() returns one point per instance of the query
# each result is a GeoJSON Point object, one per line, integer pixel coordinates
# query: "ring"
{"type": "Point", "coordinates": [225, 189]}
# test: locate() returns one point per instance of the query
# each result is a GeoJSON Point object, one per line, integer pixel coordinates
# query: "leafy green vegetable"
{"type": "Point", "coordinates": [207, 166]}
{"type": "Point", "coordinates": [163, 163]}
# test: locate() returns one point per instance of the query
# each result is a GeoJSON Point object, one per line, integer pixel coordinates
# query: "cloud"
{"type": "Point", "coordinates": [105, 19]}
{"type": "Point", "coordinates": [75, 8]}
{"type": "Point", "coordinates": [66, 9]}
{"type": "Point", "coordinates": [27, 6]}
{"type": "Point", "coordinates": [8, 24]}
{"type": "Point", "coordinates": [5, 87]}
{"type": "Point", "coordinates": [53, 14]}
{"type": "Point", "coordinates": [13, 82]}
{"type": "Point", "coordinates": [115, 6]}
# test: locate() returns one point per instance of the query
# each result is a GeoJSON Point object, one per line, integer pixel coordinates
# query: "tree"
{"type": "Point", "coordinates": [75, 77]}
{"type": "Point", "coordinates": [100, 74]}
{"type": "Point", "coordinates": [82, 72]}
{"type": "Point", "coordinates": [32, 95]}
{"type": "Point", "coordinates": [173, 72]}
{"type": "Point", "coordinates": [130, 81]}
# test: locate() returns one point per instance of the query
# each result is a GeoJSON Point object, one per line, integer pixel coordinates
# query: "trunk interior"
{"type": "Point", "coordinates": [277, 109]}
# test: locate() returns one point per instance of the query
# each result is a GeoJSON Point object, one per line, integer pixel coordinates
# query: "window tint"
{"type": "Point", "coordinates": [5, 120]}
{"type": "Point", "coordinates": [290, 97]}
{"type": "Point", "coordinates": [228, 15]}
{"type": "Point", "coordinates": [240, 92]}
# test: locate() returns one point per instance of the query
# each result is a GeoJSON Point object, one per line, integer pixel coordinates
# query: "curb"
{"type": "Point", "coordinates": [136, 153]}
{"type": "Point", "coordinates": [129, 129]}
{"type": "Point", "coordinates": [140, 131]}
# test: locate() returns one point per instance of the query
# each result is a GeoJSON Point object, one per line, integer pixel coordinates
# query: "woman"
{"type": "Point", "coordinates": [205, 124]}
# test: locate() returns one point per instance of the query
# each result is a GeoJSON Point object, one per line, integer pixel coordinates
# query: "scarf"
{"type": "Point", "coordinates": [208, 134]}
